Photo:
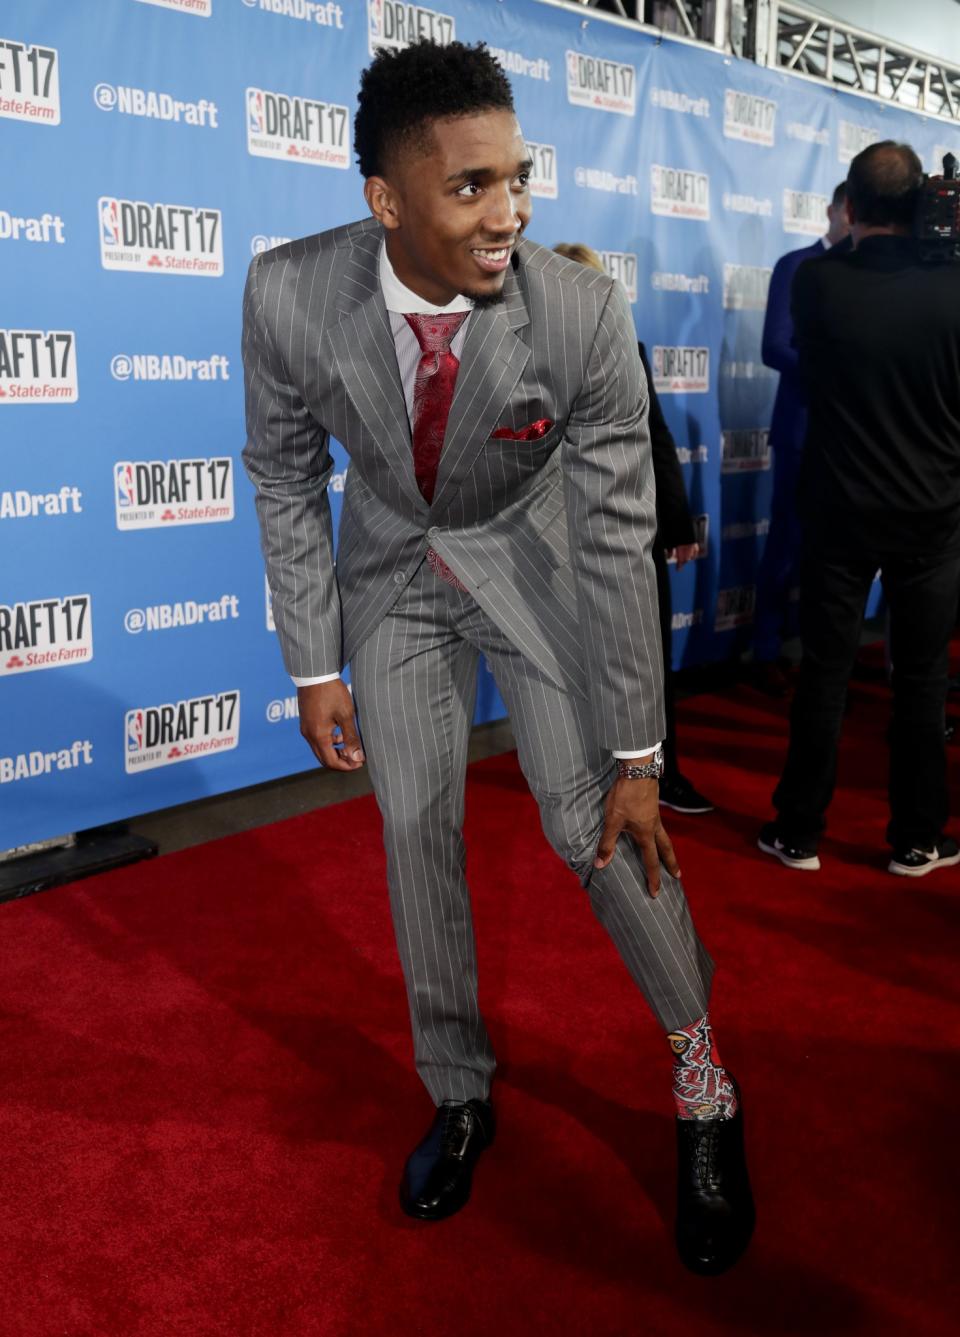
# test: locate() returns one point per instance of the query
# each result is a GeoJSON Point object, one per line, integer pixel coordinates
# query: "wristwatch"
{"type": "Point", "coordinates": [629, 768]}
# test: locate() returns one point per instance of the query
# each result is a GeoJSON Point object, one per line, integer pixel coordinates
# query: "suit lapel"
{"type": "Point", "coordinates": [491, 362]}
{"type": "Point", "coordinates": [363, 349]}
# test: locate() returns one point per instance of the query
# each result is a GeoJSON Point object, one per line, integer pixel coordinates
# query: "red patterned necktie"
{"type": "Point", "coordinates": [432, 397]}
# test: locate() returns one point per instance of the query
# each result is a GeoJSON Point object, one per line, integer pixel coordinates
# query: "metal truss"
{"type": "Point", "coordinates": [808, 42]}
{"type": "Point", "coordinates": [793, 37]}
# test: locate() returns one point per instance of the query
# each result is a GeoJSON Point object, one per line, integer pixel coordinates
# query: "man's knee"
{"type": "Point", "coordinates": [573, 833]}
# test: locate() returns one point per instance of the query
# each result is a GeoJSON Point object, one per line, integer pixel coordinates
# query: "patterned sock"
{"type": "Point", "coordinates": [702, 1088]}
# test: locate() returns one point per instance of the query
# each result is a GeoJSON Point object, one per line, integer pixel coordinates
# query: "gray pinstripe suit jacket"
{"type": "Point", "coordinates": [551, 536]}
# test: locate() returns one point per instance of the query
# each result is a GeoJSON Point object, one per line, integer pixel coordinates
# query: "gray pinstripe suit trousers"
{"type": "Point", "coordinates": [414, 683]}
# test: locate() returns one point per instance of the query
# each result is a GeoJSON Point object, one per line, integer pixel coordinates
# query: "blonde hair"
{"type": "Point", "coordinates": [579, 251]}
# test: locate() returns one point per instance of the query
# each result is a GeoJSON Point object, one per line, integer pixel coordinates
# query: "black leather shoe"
{"type": "Point", "coordinates": [715, 1213]}
{"type": "Point", "coordinates": [437, 1177]}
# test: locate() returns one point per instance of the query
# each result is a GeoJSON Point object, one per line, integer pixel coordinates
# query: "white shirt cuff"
{"type": "Point", "coordinates": [633, 756]}
{"type": "Point", "coordinates": [312, 682]}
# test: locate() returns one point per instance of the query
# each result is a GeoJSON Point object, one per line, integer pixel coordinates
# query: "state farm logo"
{"type": "Point", "coordinates": [678, 193]}
{"type": "Point", "coordinates": [516, 63]}
{"type": "Point", "coordinates": [23, 505]}
{"type": "Point", "coordinates": [38, 367]}
{"type": "Point", "coordinates": [29, 765]}
{"type": "Point", "coordinates": [543, 171]}
{"type": "Point", "coordinates": [701, 537]}
{"type": "Point", "coordinates": [394, 24]}
{"type": "Point", "coordinates": [325, 14]}
{"type": "Point", "coordinates": [201, 9]}
{"type": "Point", "coordinates": [29, 82]}
{"type": "Point", "coordinates": [168, 367]}
{"type": "Point", "coordinates": [297, 129]}
{"type": "Point", "coordinates": [185, 613]}
{"type": "Point", "coordinates": [48, 228]}
{"type": "Point", "coordinates": [622, 266]}
{"type": "Point", "coordinates": [745, 451]}
{"type": "Point", "coordinates": [853, 138]}
{"type": "Point", "coordinates": [734, 607]}
{"type": "Point", "coordinates": [804, 212]}
{"type": "Point", "coordinates": [680, 370]}
{"type": "Point", "coordinates": [160, 238]}
{"type": "Point", "coordinates": [745, 287]}
{"type": "Point", "coordinates": [45, 633]}
{"type": "Point", "coordinates": [748, 117]}
{"type": "Point", "coordinates": [155, 106]}
{"type": "Point", "coordinates": [261, 243]}
{"type": "Point", "coordinates": [604, 85]}
{"type": "Point", "coordinates": [151, 494]}
{"type": "Point", "coordinates": [180, 731]}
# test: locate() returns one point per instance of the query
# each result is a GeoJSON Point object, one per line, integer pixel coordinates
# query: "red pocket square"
{"type": "Point", "coordinates": [532, 433]}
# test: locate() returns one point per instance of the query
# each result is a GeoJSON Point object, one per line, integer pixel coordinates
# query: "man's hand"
{"type": "Point", "coordinates": [324, 708]}
{"type": "Point", "coordinates": [633, 806]}
{"type": "Point", "coordinates": [686, 552]}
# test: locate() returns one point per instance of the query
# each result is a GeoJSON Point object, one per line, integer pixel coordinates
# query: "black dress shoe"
{"type": "Point", "coordinates": [715, 1213]}
{"type": "Point", "coordinates": [437, 1177]}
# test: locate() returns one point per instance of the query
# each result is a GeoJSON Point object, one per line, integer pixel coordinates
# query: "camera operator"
{"type": "Point", "coordinates": [878, 331]}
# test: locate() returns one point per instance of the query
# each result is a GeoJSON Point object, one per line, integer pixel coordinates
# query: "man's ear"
{"type": "Point", "coordinates": [849, 208]}
{"type": "Point", "coordinates": [382, 201]}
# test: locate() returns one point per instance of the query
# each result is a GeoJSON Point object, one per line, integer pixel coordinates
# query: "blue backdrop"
{"type": "Point", "coordinates": [150, 147]}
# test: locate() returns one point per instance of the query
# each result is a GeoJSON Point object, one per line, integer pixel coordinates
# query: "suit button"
{"type": "Point", "coordinates": [433, 533]}
{"type": "Point", "coordinates": [398, 577]}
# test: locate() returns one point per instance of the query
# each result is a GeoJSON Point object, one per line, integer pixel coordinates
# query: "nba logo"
{"type": "Point", "coordinates": [375, 10]}
{"type": "Point", "coordinates": [255, 110]}
{"type": "Point", "coordinates": [123, 479]}
{"type": "Point", "coordinates": [134, 730]}
{"type": "Point", "coordinates": [109, 222]}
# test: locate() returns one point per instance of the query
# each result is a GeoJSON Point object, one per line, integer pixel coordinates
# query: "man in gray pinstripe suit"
{"type": "Point", "coordinates": [500, 502]}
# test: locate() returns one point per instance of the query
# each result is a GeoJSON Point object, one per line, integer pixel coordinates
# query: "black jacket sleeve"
{"type": "Point", "coordinates": [674, 524]}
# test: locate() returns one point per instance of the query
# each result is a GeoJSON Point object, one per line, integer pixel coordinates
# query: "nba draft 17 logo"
{"type": "Point", "coordinates": [152, 494]}
{"type": "Point", "coordinates": [676, 192]}
{"type": "Point", "coordinates": [603, 85]}
{"type": "Point", "coordinates": [38, 367]}
{"type": "Point", "coordinates": [160, 238]}
{"type": "Point", "coordinates": [180, 731]}
{"type": "Point", "coordinates": [29, 82]}
{"type": "Point", "coordinates": [45, 633]}
{"type": "Point", "coordinates": [804, 212]}
{"type": "Point", "coordinates": [622, 266]}
{"type": "Point", "coordinates": [680, 370]}
{"type": "Point", "coordinates": [853, 138]}
{"type": "Point", "coordinates": [543, 170]}
{"type": "Point", "coordinates": [734, 607]}
{"type": "Point", "coordinates": [745, 451]}
{"type": "Point", "coordinates": [748, 117]}
{"type": "Point", "coordinates": [394, 24]}
{"type": "Point", "coordinates": [745, 287]}
{"type": "Point", "coordinates": [297, 129]}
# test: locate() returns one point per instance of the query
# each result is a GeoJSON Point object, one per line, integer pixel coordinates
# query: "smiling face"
{"type": "Point", "coordinates": [455, 207]}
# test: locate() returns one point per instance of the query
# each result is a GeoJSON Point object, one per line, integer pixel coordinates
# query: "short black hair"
{"type": "Point", "coordinates": [401, 92]}
{"type": "Point", "coordinates": [839, 194]}
{"type": "Point", "coordinates": [883, 184]}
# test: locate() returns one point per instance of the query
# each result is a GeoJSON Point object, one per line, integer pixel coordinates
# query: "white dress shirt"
{"type": "Point", "coordinates": [400, 300]}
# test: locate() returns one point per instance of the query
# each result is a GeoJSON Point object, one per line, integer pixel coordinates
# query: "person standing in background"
{"type": "Point", "coordinates": [675, 540]}
{"type": "Point", "coordinates": [779, 565]}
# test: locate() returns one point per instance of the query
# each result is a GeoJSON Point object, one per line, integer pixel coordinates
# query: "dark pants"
{"type": "Point", "coordinates": [921, 593]}
{"type": "Point", "coordinates": [671, 766]}
{"type": "Point", "coordinates": [780, 563]}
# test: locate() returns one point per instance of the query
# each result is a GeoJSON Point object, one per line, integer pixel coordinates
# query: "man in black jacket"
{"type": "Point", "coordinates": [879, 338]}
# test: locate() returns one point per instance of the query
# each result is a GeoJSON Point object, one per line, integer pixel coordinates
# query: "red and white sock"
{"type": "Point", "coordinates": [702, 1087]}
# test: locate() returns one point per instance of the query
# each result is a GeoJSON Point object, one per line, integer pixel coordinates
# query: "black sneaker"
{"type": "Point", "coordinates": [679, 794]}
{"type": "Point", "coordinates": [804, 857]}
{"type": "Point", "coordinates": [918, 863]}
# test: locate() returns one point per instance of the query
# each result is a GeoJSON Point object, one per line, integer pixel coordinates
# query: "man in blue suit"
{"type": "Point", "coordinates": [780, 563]}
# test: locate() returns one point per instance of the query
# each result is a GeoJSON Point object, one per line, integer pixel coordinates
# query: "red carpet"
{"type": "Point", "coordinates": [206, 1095]}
